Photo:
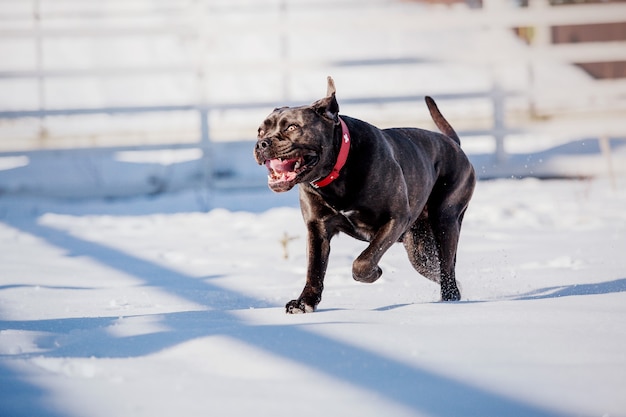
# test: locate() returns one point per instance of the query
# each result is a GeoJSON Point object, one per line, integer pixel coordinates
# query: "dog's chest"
{"type": "Point", "coordinates": [357, 225]}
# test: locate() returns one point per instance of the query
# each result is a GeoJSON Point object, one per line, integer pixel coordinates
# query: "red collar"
{"type": "Point", "coordinates": [341, 159]}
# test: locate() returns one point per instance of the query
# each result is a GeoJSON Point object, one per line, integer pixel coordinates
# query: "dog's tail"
{"type": "Point", "coordinates": [440, 121]}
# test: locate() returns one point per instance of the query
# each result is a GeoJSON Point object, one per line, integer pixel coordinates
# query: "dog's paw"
{"type": "Point", "coordinates": [450, 294]}
{"type": "Point", "coordinates": [367, 276]}
{"type": "Point", "coordinates": [298, 307]}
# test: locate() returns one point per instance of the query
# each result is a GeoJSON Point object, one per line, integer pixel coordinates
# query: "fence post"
{"type": "Point", "coordinates": [499, 129]}
{"type": "Point", "coordinates": [41, 91]}
{"type": "Point", "coordinates": [205, 146]}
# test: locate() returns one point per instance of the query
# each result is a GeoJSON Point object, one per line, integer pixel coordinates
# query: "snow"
{"type": "Point", "coordinates": [157, 307]}
{"type": "Point", "coordinates": [173, 303]}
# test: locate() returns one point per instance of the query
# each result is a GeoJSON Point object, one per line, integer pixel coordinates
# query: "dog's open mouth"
{"type": "Point", "coordinates": [284, 173]}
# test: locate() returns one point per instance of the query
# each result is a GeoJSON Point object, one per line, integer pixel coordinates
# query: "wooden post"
{"type": "Point", "coordinates": [499, 129]}
{"type": "Point", "coordinates": [41, 91]}
{"type": "Point", "coordinates": [605, 147]}
{"type": "Point", "coordinates": [205, 145]}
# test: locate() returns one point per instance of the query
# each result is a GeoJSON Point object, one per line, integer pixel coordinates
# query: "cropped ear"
{"type": "Point", "coordinates": [327, 107]}
{"type": "Point", "coordinates": [330, 88]}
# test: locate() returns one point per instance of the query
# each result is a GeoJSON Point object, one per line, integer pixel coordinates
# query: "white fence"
{"type": "Point", "coordinates": [186, 73]}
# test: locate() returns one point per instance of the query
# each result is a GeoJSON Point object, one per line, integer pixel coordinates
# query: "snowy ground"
{"type": "Point", "coordinates": [173, 305]}
{"type": "Point", "coordinates": [154, 307]}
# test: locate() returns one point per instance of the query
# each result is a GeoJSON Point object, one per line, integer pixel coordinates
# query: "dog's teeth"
{"type": "Point", "coordinates": [297, 165]}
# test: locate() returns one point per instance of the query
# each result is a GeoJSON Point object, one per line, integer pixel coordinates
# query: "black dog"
{"type": "Point", "coordinates": [382, 186]}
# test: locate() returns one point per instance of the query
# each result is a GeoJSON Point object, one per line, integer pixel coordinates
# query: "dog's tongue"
{"type": "Point", "coordinates": [280, 166]}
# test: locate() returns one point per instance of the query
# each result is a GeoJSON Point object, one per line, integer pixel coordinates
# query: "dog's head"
{"type": "Point", "coordinates": [297, 144]}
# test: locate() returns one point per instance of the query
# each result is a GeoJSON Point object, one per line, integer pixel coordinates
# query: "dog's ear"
{"type": "Point", "coordinates": [327, 107]}
{"type": "Point", "coordinates": [330, 88]}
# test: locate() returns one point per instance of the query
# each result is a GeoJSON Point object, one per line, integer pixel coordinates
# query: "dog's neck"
{"type": "Point", "coordinates": [341, 158]}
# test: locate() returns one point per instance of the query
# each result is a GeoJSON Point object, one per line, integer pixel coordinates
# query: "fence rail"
{"type": "Point", "coordinates": [42, 25]}
{"type": "Point", "coordinates": [498, 130]}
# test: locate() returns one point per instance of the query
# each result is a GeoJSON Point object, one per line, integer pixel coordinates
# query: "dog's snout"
{"type": "Point", "coordinates": [263, 144]}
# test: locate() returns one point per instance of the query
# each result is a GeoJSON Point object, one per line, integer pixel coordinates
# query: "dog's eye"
{"type": "Point", "coordinates": [291, 128]}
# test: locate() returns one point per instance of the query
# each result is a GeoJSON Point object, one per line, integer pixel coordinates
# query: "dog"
{"type": "Point", "coordinates": [381, 186]}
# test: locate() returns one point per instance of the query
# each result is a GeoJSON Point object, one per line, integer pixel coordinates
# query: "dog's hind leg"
{"type": "Point", "coordinates": [446, 218]}
{"type": "Point", "coordinates": [447, 230]}
{"type": "Point", "coordinates": [421, 246]}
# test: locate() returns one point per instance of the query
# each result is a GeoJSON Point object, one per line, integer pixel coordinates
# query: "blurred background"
{"type": "Point", "coordinates": [117, 98]}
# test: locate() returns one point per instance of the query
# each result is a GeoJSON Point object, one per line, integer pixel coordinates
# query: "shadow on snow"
{"type": "Point", "coordinates": [608, 287]}
{"type": "Point", "coordinates": [412, 387]}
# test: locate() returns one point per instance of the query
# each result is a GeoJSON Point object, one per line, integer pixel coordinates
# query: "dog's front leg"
{"type": "Point", "coordinates": [318, 250]}
{"type": "Point", "coordinates": [365, 268]}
